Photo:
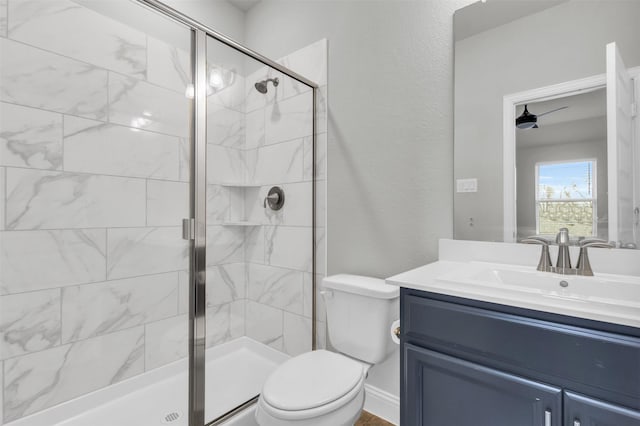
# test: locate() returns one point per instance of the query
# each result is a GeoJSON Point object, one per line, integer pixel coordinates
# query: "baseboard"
{"type": "Point", "coordinates": [382, 404]}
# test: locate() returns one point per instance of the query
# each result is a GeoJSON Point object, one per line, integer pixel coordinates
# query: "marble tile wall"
{"type": "Point", "coordinates": [94, 170]}
{"type": "Point", "coordinates": [93, 185]}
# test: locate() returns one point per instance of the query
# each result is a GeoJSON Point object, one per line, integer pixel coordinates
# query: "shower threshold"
{"type": "Point", "coordinates": [235, 372]}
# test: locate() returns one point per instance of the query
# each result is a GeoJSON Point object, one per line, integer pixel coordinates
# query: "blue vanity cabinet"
{"type": "Point", "coordinates": [448, 391]}
{"type": "Point", "coordinates": [467, 362]}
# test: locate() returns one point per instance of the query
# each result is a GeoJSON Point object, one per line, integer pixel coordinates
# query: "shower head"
{"type": "Point", "coordinates": [261, 86]}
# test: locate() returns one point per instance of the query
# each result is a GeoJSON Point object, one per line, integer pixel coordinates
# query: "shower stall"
{"type": "Point", "coordinates": [161, 214]}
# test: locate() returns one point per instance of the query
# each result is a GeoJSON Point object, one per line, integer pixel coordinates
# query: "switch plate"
{"type": "Point", "coordinates": [467, 185]}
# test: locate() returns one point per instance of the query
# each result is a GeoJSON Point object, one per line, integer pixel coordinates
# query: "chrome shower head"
{"type": "Point", "coordinates": [261, 86]}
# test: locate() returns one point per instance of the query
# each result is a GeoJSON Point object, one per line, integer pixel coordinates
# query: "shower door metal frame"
{"type": "Point", "coordinates": [198, 196]}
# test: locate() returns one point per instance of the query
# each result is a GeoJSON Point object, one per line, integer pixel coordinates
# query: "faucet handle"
{"type": "Point", "coordinates": [596, 242]}
{"type": "Point", "coordinates": [544, 264]}
{"type": "Point", "coordinates": [584, 266]}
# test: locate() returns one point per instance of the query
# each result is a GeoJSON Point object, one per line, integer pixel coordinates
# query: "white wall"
{"type": "Point", "coordinates": [220, 15]}
{"type": "Point", "coordinates": [568, 43]}
{"type": "Point", "coordinates": [390, 128]}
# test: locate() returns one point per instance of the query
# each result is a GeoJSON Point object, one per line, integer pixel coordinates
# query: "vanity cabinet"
{"type": "Point", "coordinates": [466, 362]}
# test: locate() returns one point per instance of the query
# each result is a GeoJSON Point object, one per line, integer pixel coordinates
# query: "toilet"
{"type": "Point", "coordinates": [323, 388]}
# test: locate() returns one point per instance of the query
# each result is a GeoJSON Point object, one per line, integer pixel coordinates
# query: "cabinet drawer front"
{"type": "Point", "coordinates": [593, 362]}
{"type": "Point", "coordinates": [580, 410]}
{"type": "Point", "coordinates": [445, 391]}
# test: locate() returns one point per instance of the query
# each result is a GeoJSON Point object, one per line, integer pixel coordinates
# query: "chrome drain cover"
{"type": "Point", "coordinates": [171, 417]}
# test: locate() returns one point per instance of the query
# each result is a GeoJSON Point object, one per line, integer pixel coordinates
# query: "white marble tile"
{"type": "Point", "coordinates": [226, 283]}
{"type": "Point", "coordinates": [224, 244]}
{"type": "Point", "coordinates": [40, 380]}
{"type": "Point", "coordinates": [310, 62]}
{"type": "Point", "coordinates": [1, 392]}
{"type": "Point", "coordinates": [288, 247]}
{"type": "Point", "coordinates": [255, 210]}
{"type": "Point", "coordinates": [218, 206]}
{"type": "Point", "coordinates": [93, 309]}
{"type": "Point", "coordinates": [277, 287]}
{"type": "Point", "coordinates": [321, 250]}
{"type": "Point", "coordinates": [321, 311]}
{"type": "Point", "coordinates": [62, 257]}
{"type": "Point", "coordinates": [254, 132]}
{"type": "Point", "coordinates": [166, 341]}
{"type": "Point", "coordinates": [184, 159]}
{"type": "Point", "coordinates": [322, 110]}
{"type": "Point", "coordinates": [29, 322]}
{"type": "Point", "coordinates": [225, 322]}
{"type": "Point", "coordinates": [35, 78]}
{"type": "Point", "coordinates": [3, 33]}
{"type": "Point", "coordinates": [139, 251]}
{"type": "Point", "coordinates": [279, 163]}
{"type": "Point", "coordinates": [232, 93]}
{"type": "Point", "coordinates": [296, 334]}
{"type": "Point", "coordinates": [289, 119]}
{"type": "Point", "coordinates": [225, 165]}
{"type": "Point", "coordinates": [167, 65]}
{"type": "Point", "coordinates": [136, 103]}
{"type": "Point", "coordinates": [255, 100]}
{"type": "Point", "coordinates": [167, 202]}
{"type": "Point", "coordinates": [321, 203]}
{"type": "Point", "coordinates": [264, 323]}
{"type": "Point", "coordinates": [321, 335]}
{"type": "Point", "coordinates": [225, 127]}
{"type": "Point", "coordinates": [298, 208]}
{"type": "Point", "coordinates": [69, 29]}
{"type": "Point", "coordinates": [2, 197]}
{"type": "Point", "coordinates": [30, 137]}
{"type": "Point", "coordinates": [320, 158]}
{"type": "Point", "coordinates": [254, 244]}
{"type": "Point", "coordinates": [52, 200]}
{"type": "Point", "coordinates": [183, 292]}
{"type": "Point", "coordinates": [95, 147]}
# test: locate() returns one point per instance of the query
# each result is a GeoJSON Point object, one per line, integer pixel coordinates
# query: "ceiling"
{"type": "Point", "coordinates": [479, 17]}
{"type": "Point", "coordinates": [585, 119]}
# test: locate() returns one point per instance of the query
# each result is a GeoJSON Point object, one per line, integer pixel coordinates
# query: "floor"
{"type": "Point", "coordinates": [368, 419]}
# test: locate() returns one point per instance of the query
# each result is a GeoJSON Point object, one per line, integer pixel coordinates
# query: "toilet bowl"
{"type": "Point", "coordinates": [323, 388]}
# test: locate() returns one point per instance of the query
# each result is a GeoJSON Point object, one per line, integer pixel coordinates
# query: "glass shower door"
{"type": "Point", "coordinates": [259, 251]}
{"type": "Point", "coordinates": [94, 182]}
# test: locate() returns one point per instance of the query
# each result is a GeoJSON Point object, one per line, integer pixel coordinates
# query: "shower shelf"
{"type": "Point", "coordinates": [239, 184]}
{"type": "Point", "coordinates": [240, 223]}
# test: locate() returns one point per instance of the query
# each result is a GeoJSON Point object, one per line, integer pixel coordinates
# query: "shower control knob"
{"type": "Point", "coordinates": [274, 199]}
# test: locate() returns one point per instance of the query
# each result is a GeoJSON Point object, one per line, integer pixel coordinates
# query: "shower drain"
{"type": "Point", "coordinates": [171, 417]}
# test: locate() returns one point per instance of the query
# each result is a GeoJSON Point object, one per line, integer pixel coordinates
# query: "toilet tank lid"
{"type": "Point", "coordinates": [365, 286]}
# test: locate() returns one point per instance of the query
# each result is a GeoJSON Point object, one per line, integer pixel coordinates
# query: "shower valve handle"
{"type": "Point", "coordinates": [271, 197]}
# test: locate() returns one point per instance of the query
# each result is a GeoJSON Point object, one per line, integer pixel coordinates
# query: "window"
{"type": "Point", "coordinates": [566, 197]}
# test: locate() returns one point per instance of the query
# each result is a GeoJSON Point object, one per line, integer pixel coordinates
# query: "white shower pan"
{"type": "Point", "coordinates": [235, 372]}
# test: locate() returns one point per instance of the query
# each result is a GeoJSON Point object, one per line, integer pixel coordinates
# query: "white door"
{"type": "Point", "coordinates": [619, 148]}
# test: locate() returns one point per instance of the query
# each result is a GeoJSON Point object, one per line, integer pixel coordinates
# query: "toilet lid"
{"type": "Point", "coordinates": [311, 380]}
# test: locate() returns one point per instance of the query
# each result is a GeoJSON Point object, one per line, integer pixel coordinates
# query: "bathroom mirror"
{"type": "Point", "coordinates": [573, 160]}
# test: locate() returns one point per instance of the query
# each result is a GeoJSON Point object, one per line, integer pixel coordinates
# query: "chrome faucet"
{"type": "Point", "coordinates": [563, 264]}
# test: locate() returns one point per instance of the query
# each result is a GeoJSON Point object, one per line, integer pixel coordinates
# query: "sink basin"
{"type": "Point", "coordinates": [605, 289]}
{"type": "Point", "coordinates": [604, 297]}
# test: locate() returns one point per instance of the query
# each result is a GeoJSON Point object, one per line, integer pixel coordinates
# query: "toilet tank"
{"type": "Point", "coordinates": [360, 311]}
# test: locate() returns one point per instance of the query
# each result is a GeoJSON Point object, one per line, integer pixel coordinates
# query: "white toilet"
{"type": "Point", "coordinates": [323, 388]}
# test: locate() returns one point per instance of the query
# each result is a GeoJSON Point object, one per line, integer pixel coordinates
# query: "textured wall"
{"type": "Point", "coordinates": [390, 127]}
{"type": "Point", "coordinates": [390, 139]}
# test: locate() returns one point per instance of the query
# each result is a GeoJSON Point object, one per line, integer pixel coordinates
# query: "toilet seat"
{"type": "Point", "coordinates": [311, 385]}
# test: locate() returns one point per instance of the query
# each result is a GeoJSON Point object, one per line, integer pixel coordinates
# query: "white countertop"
{"type": "Point", "coordinates": [606, 297]}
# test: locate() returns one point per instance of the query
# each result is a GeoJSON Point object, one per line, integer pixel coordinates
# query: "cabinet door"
{"type": "Point", "coordinates": [444, 391]}
{"type": "Point", "coordinates": [583, 411]}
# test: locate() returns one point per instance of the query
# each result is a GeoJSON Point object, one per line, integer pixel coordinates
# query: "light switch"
{"type": "Point", "coordinates": [467, 185]}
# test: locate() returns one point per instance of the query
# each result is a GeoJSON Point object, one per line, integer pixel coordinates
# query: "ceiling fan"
{"type": "Point", "coordinates": [526, 120]}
